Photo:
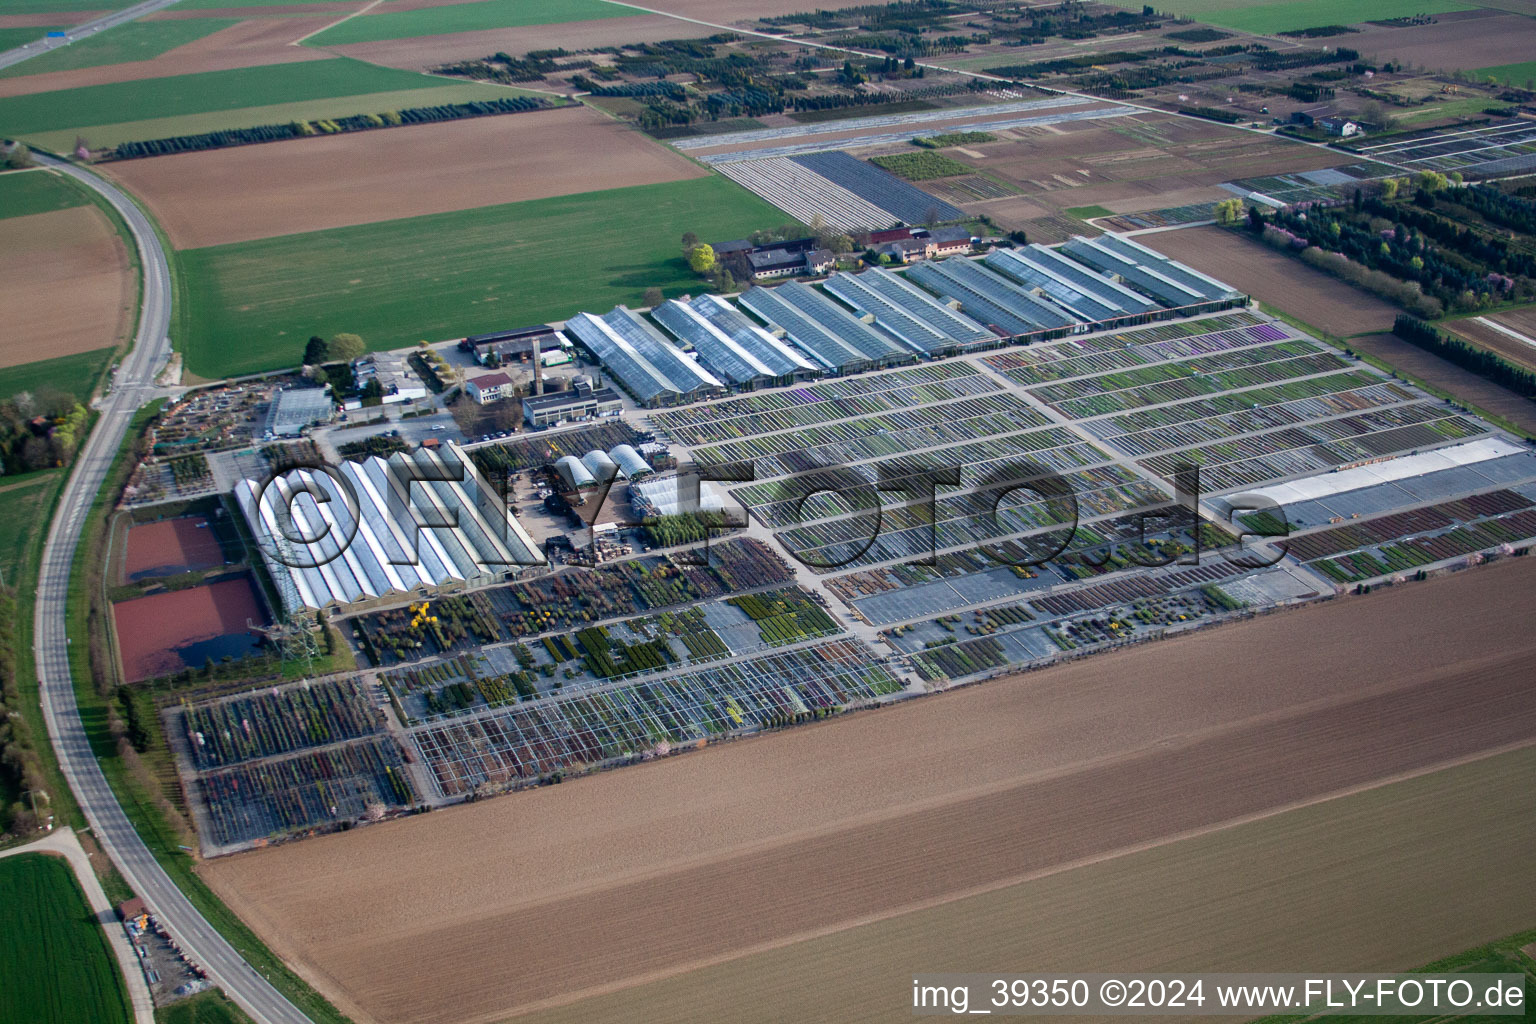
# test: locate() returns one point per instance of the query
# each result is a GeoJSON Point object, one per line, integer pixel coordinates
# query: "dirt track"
{"type": "Point", "coordinates": [65, 284]}
{"type": "Point", "coordinates": [470, 913]}
{"type": "Point", "coordinates": [1272, 277]}
{"type": "Point", "coordinates": [279, 188]}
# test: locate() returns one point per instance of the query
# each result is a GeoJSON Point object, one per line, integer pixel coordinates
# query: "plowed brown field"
{"type": "Point", "coordinates": [280, 188]}
{"type": "Point", "coordinates": [1275, 278]}
{"type": "Point", "coordinates": [65, 284]}
{"type": "Point", "coordinates": [540, 898]}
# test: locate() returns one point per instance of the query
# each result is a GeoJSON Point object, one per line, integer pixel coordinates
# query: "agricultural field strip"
{"type": "Point", "coordinates": [743, 156]}
{"type": "Point", "coordinates": [858, 124]}
{"type": "Point", "coordinates": [1025, 366]}
{"type": "Point", "coordinates": [599, 726]}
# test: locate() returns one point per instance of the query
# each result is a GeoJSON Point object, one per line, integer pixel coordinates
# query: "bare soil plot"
{"type": "Point", "coordinates": [66, 285]}
{"type": "Point", "coordinates": [252, 43]}
{"type": "Point", "coordinates": [1381, 880]}
{"type": "Point", "coordinates": [609, 881]}
{"type": "Point", "coordinates": [1456, 41]}
{"type": "Point", "coordinates": [1468, 386]}
{"type": "Point", "coordinates": [281, 188]}
{"type": "Point", "coordinates": [1487, 336]}
{"type": "Point", "coordinates": [1272, 277]}
{"type": "Point", "coordinates": [432, 51]}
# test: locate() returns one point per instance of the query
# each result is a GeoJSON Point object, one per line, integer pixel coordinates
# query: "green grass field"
{"type": "Point", "coordinates": [1088, 212]}
{"type": "Point", "coordinates": [252, 305]}
{"type": "Point", "coordinates": [10, 38]}
{"type": "Point", "coordinates": [1290, 15]}
{"type": "Point", "coordinates": [55, 967]}
{"type": "Point", "coordinates": [65, 6]}
{"type": "Point", "coordinates": [25, 192]}
{"type": "Point", "coordinates": [203, 93]}
{"type": "Point", "coordinates": [102, 136]}
{"type": "Point", "coordinates": [75, 374]}
{"type": "Point", "coordinates": [383, 23]}
{"type": "Point", "coordinates": [212, 1007]}
{"type": "Point", "coordinates": [137, 40]}
{"type": "Point", "coordinates": [24, 504]}
{"type": "Point", "coordinates": [1510, 74]}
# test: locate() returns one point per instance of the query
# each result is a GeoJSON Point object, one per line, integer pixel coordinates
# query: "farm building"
{"type": "Point", "coordinates": [903, 250]}
{"type": "Point", "coordinates": [1088, 296]}
{"type": "Point", "coordinates": [367, 546]}
{"type": "Point", "coordinates": [574, 474]}
{"type": "Point", "coordinates": [631, 463]}
{"type": "Point", "coordinates": [518, 345]}
{"type": "Point", "coordinates": [948, 241]}
{"type": "Point", "coordinates": [732, 347]}
{"type": "Point", "coordinates": [489, 387]}
{"type": "Point", "coordinates": [1173, 284]}
{"type": "Point", "coordinates": [645, 364]}
{"type": "Point", "coordinates": [397, 381]}
{"type": "Point", "coordinates": [295, 410]}
{"type": "Point", "coordinates": [827, 332]}
{"type": "Point", "coordinates": [993, 299]}
{"type": "Point", "coordinates": [910, 314]}
{"type": "Point", "coordinates": [581, 402]}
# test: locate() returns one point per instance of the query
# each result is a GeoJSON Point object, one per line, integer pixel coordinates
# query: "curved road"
{"type": "Point", "coordinates": [134, 386]}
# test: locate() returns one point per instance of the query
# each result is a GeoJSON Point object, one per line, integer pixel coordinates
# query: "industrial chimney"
{"type": "Point", "coordinates": [538, 368]}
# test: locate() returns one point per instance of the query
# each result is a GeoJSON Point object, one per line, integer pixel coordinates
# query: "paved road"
{"type": "Point", "coordinates": [64, 843]}
{"type": "Point", "coordinates": [134, 385]}
{"type": "Point", "coordinates": [79, 32]}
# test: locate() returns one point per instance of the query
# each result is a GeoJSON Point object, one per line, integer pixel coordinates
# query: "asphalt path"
{"type": "Point", "coordinates": [132, 387]}
{"type": "Point", "coordinates": [75, 33]}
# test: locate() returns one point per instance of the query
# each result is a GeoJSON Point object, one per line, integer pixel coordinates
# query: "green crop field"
{"type": "Point", "coordinates": [1510, 74]}
{"type": "Point", "coordinates": [1290, 15]}
{"type": "Point", "coordinates": [24, 192]}
{"type": "Point", "coordinates": [383, 23]}
{"type": "Point", "coordinates": [63, 6]}
{"type": "Point", "coordinates": [74, 374]}
{"type": "Point", "coordinates": [25, 503]}
{"type": "Point", "coordinates": [55, 967]}
{"type": "Point", "coordinates": [921, 166]}
{"type": "Point", "coordinates": [204, 93]}
{"type": "Point", "coordinates": [251, 306]}
{"type": "Point", "coordinates": [102, 136]}
{"type": "Point", "coordinates": [137, 40]}
{"type": "Point", "coordinates": [10, 38]}
{"type": "Point", "coordinates": [1088, 212]}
